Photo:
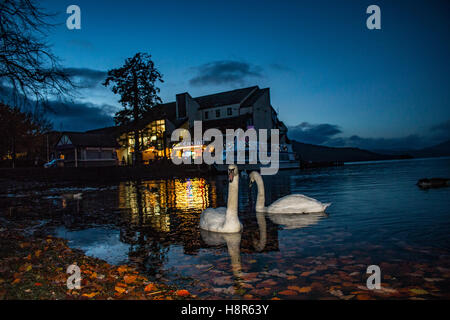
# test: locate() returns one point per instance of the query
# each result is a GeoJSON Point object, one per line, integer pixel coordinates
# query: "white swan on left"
{"type": "Point", "coordinates": [290, 204]}
{"type": "Point", "coordinates": [225, 220]}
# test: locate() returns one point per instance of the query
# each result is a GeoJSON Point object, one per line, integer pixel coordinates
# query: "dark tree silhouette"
{"type": "Point", "coordinates": [29, 72]}
{"type": "Point", "coordinates": [20, 134]}
{"type": "Point", "coordinates": [27, 65]}
{"type": "Point", "coordinates": [135, 82]}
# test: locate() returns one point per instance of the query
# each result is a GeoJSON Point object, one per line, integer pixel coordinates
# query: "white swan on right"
{"type": "Point", "coordinates": [290, 204]}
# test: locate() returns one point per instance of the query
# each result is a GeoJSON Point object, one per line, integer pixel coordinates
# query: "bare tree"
{"type": "Point", "coordinates": [27, 65]}
{"type": "Point", "coordinates": [29, 71]}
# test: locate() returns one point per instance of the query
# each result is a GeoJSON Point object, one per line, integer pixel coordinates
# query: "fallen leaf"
{"type": "Point", "coordinates": [122, 269]}
{"type": "Point", "coordinates": [129, 279]}
{"type": "Point", "coordinates": [120, 289]}
{"type": "Point", "coordinates": [150, 287]}
{"type": "Point", "coordinates": [296, 288]}
{"type": "Point", "coordinates": [183, 293]}
{"type": "Point", "coordinates": [305, 289]}
{"type": "Point", "coordinates": [90, 295]}
{"type": "Point", "coordinates": [288, 293]}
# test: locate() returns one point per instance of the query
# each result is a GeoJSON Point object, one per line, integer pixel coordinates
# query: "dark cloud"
{"type": "Point", "coordinates": [280, 67]}
{"type": "Point", "coordinates": [86, 78]}
{"type": "Point", "coordinates": [313, 133]}
{"type": "Point", "coordinates": [78, 116]}
{"type": "Point", "coordinates": [225, 72]}
{"type": "Point", "coordinates": [69, 115]}
{"type": "Point", "coordinates": [327, 134]}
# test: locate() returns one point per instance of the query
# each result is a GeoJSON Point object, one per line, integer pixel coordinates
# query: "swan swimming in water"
{"type": "Point", "coordinates": [293, 203]}
{"type": "Point", "coordinates": [224, 220]}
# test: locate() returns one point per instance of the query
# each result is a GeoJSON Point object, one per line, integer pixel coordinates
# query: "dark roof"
{"type": "Point", "coordinates": [107, 130]}
{"type": "Point", "coordinates": [227, 123]}
{"type": "Point", "coordinates": [224, 98]}
{"type": "Point", "coordinates": [250, 101]}
{"type": "Point", "coordinates": [83, 139]}
{"type": "Point", "coordinates": [166, 110]}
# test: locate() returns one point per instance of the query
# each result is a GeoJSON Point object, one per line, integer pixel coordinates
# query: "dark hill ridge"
{"type": "Point", "coordinates": [439, 150]}
{"type": "Point", "coordinates": [310, 152]}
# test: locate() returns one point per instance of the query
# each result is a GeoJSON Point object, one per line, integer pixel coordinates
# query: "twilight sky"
{"type": "Point", "coordinates": [333, 81]}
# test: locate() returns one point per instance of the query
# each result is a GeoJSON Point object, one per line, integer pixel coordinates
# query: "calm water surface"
{"type": "Point", "coordinates": [378, 216]}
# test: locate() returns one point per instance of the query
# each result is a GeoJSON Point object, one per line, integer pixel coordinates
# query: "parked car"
{"type": "Point", "coordinates": [52, 164]}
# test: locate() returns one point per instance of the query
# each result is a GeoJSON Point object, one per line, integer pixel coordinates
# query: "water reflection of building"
{"type": "Point", "coordinates": [150, 203]}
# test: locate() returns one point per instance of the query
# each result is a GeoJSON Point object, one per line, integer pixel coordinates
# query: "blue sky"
{"type": "Point", "coordinates": [331, 78]}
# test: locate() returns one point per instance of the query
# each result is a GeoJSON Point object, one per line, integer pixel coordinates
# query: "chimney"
{"type": "Point", "coordinates": [181, 105]}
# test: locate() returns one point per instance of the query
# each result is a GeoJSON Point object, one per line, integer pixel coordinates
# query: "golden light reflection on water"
{"type": "Point", "coordinates": [148, 202]}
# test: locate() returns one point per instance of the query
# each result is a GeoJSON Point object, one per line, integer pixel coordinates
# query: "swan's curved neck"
{"type": "Point", "coordinates": [261, 219]}
{"type": "Point", "coordinates": [232, 204]}
{"type": "Point", "coordinates": [260, 200]}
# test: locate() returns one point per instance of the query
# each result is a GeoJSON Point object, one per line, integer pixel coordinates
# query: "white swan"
{"type": "Point", "coordinates": [224, 220]}
{"type": "Point", "coordinates": [293, 203]}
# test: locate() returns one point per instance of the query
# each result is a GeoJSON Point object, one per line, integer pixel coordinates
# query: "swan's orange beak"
{"type": "Point", "coordinates": [230, 175]}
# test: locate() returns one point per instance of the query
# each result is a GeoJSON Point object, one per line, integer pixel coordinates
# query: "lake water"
{"type": "Point", "coordinates": [378, 217]}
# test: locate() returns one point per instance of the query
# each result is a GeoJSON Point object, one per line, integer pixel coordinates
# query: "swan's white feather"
{"type": "Point", "coordinates": [297, 203]}
{"type": "Point", "coordinates": [214, 220]}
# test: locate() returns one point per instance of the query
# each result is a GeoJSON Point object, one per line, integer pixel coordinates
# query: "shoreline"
{"type": "Point", "coordinates": [34, 268]}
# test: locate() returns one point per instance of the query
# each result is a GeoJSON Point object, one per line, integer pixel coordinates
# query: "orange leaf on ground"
{"type": "Point", "coordinates": [16, 281]}
{"type": "Point", "coordinates": [120, 289]}
{"type": "Point", "coordinates": [122, 269]}
{"type": "Point", "coordinates": [90, 295]}
{"type": "Point", "coordinates": [37, 253]}
{"type": "Point", "coordinates": [129, 279]}
{"type": "Point", "coordinates": [305, 289]}
{"type": "Point", "coordinates": [296, 288]}
{"type": "Point", "coordinates": [288, 293]}
{"type": "Point", "coordinates": [150, 287]}
{"type": "Point", "coordinates": [182, 293]}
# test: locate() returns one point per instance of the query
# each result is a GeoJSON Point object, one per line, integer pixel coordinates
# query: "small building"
{"type": "Point", "coordinates": [80, 149]}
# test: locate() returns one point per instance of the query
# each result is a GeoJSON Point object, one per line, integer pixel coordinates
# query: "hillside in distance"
{"type": "Point", "coordinates": [315, 153]}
